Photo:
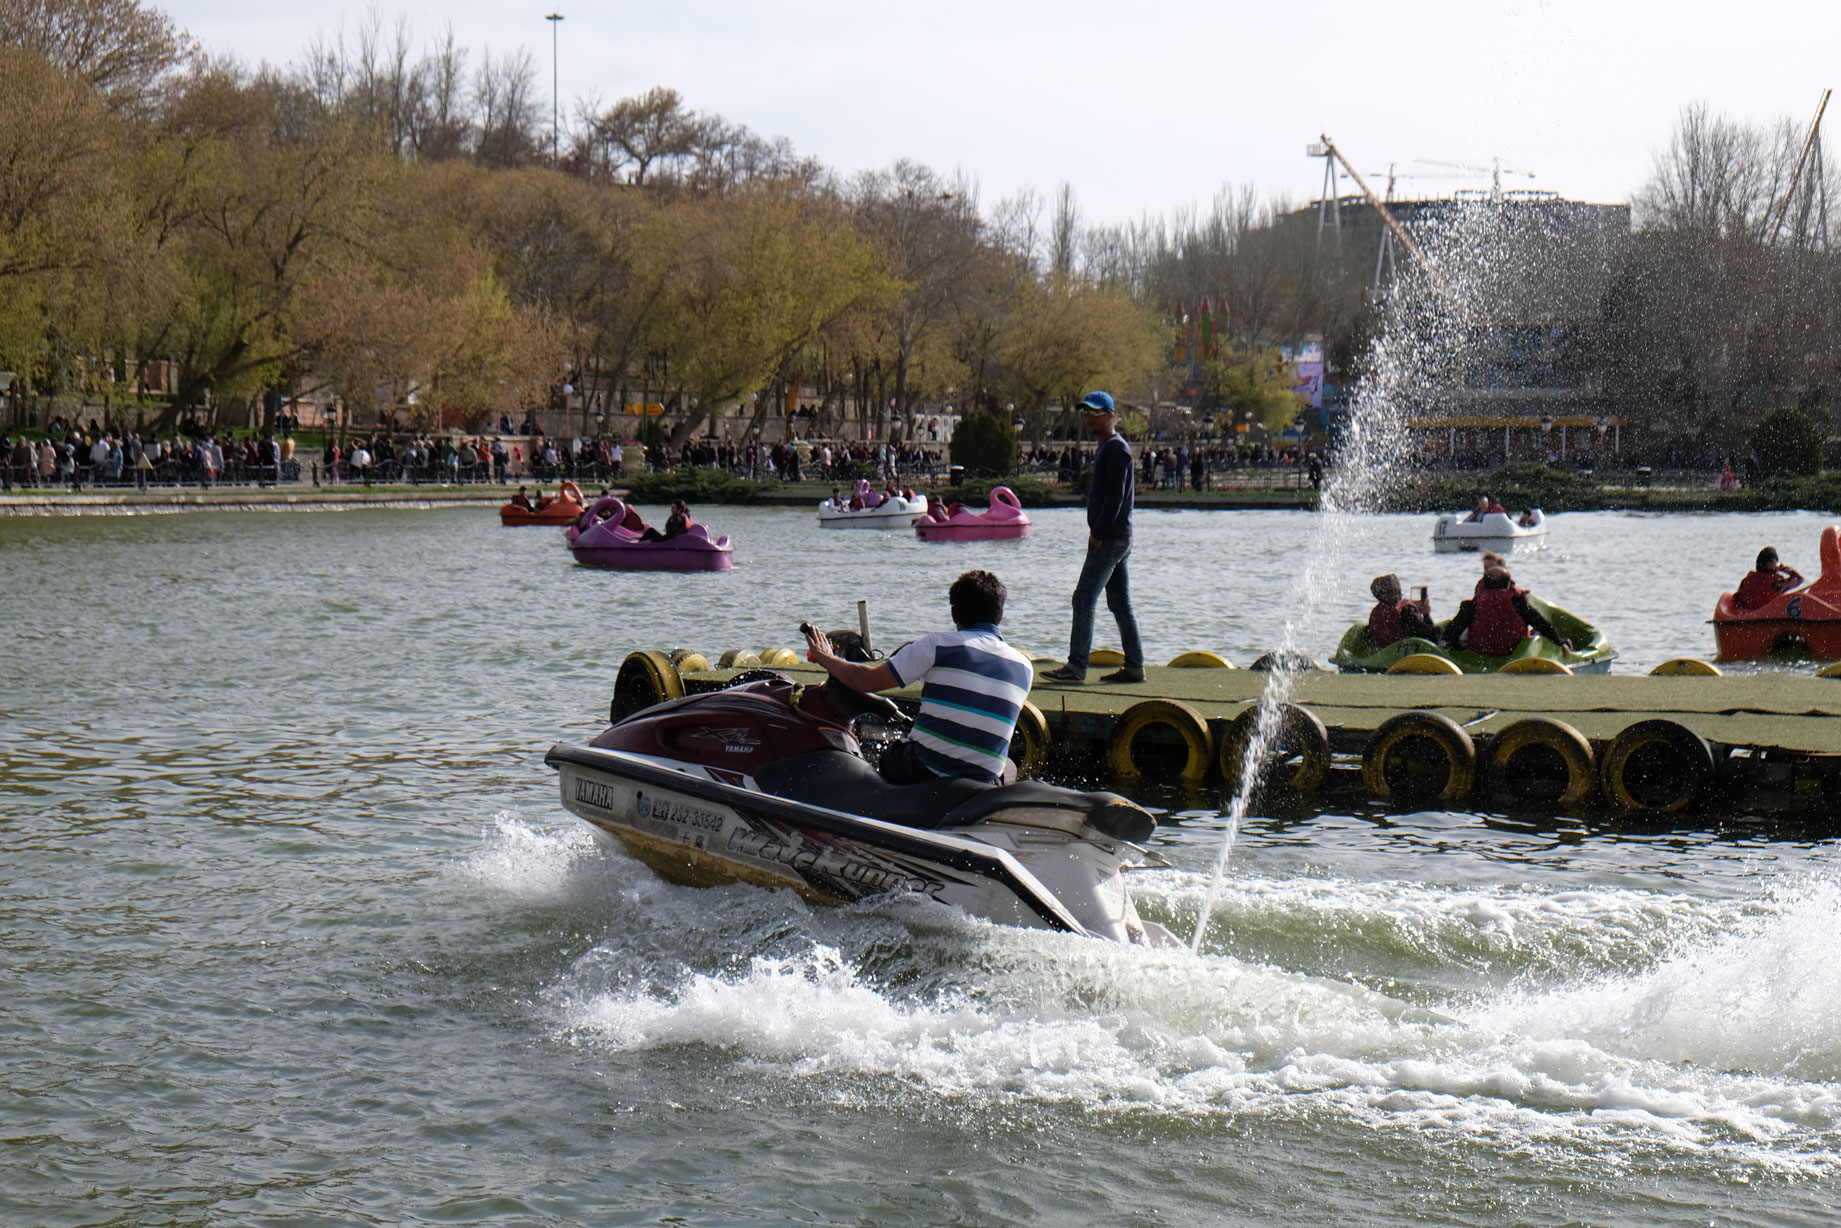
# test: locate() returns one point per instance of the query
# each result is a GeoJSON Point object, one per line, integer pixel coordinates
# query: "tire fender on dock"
{"type": "Point", "coordinates": [1200, 660]}
{"type": "Point", "coordinates": [1656, 765]}
{"type": "Point", "coordinates": [1686, 667]}
{"type": "Point", "coordinates": [645, 678]}
{"type": "Point", "coordinates": [1526, 752]}
{"type": "Point", "coordinates": [1300, 733]}
{"type": "Point", "coordinates": [1420, 756]}
{"type": "Point", "coordinates": [1424, 663]}
{"type": "Point", "coordinates": [1536, 665]}
{"type": "Point", "coordinates": [1029, 743]}
{"type": "Point", "coordinates": [1187, 723]}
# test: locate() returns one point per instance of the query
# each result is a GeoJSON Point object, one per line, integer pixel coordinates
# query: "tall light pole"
{"type": "Point", "coordinates": [555, 95]}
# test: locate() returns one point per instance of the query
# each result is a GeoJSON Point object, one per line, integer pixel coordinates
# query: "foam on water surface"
{"type": "Point", "coordinates": [1697, 1047]}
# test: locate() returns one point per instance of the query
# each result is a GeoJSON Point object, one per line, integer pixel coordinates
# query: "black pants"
{"type": "Point", "coordinates": [900, 765]}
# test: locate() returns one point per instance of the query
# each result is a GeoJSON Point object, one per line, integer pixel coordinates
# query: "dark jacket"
{"type": "Point", "coordinates": [1109, 494]}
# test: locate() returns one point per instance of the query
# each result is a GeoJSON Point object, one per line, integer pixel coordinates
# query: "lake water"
{"type": "Point", "coordinates": [297, 932]}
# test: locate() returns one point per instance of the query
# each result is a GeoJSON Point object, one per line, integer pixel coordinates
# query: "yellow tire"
{"type": "Point", "coordinates": [1686, 667]}
{"type": "Point", "coordinates": [692, 662]}
{"type": "Point", "coordinates": [1539, 759]}
{"type": "Point", "coordinates": [1200, 660]}
{"type": "Point", "coordinates": [1300, 734]}
{"type": "Point", "coordinates": [645, 678]}
{"type": "Point", "coordinates": [1105, 656]}
{"type": "Point", "coordinates": [1029, 744]}
{"type": "Point", "coordinates": [738, 658]}
{"type": "Point", "coordinates": [1829, 671]}
{"type": "Point", "coordinates": [1535, 665]}
{"type": "Point", "coordinates": [780, 657]}
{"type": "Point", "coordinates": [1420, 757]}
{"type": "Point", "coordinates": [1167, 714]}
{"type": "Point", "coordinates": [1656, 766]}
{"type": "Point", "coordinates": [1424, 663]}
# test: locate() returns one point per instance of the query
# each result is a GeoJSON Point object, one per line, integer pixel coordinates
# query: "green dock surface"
{"type": "Point", "coordinates": [1765, 711]}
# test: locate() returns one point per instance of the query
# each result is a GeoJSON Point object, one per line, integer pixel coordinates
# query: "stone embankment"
{"type": "Point", "coordinates": [128, 502]}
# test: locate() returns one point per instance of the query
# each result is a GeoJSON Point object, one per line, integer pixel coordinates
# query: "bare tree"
{"type": "Point", "coordinates": [642, 132]}
{"type": "Point", "coordinates": [1016, 226]}
{"type": "Point", "coordinates": [1716, 178]}
{"type": "Point", "coordinates": [123, 49]}
{"type": "Point", "coordinates": [438, 122]}
{"type": "Point", "coordinates": [505, 109]}
{"type": "Point", "coordinates": [1064, 232]}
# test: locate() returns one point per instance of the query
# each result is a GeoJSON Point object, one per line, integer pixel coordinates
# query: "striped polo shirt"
{"type": "Point", "coordinates": [972, 688]}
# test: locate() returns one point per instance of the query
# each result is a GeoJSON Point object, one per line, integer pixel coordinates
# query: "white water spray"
{"type": "Point", "coordinates": [1412, 357]}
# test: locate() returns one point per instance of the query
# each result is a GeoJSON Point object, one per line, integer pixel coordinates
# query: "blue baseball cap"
{"type": "Point", "coordinates": [1098, 403]}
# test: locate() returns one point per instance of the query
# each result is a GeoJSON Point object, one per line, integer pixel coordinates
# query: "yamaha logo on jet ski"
{"type": "Point", "coordinates": [606, 797]}
{"type": "Point", "coordinates": [739, 740]}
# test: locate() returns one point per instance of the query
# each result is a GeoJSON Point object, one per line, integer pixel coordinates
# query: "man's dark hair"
{"type": "Point", "coordinates": [977, 597]}
{"type": "Point", "coordinates": [1767, 559]}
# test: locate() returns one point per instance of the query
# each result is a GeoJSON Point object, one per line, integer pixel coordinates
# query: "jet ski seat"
{"type": "Point", "coordinates": [840, 781]}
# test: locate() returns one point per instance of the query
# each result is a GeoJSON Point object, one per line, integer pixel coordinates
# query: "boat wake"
{"type": "Point", "coordinates": [1597, 1023]}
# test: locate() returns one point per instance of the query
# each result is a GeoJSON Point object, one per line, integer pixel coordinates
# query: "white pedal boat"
{"type": "Point", "coordinates": [1498, 531]}
{"type": "Point", "coordinates": [897, 512]}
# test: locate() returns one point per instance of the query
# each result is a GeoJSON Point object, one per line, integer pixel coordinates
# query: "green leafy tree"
{"type": "Point", "coordinates": [1252, 381]}
{"type": "Point", "coordinates": [1788, 442]}
{"type": "Point", "coordinates": [758, 275]}
{"type": "Point", "coordinates": [1064, 336]}
{"type": "Point", "coordinates": [984, 443]}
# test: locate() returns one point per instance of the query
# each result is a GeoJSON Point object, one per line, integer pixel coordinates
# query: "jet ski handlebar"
{"type": "Point", "coordinates": [850, 706]}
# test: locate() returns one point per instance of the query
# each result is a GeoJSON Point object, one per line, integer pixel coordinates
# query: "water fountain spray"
{"type": "Point", "coordinates": [1419, 345]}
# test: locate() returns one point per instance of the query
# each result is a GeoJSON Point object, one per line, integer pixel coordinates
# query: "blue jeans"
{"type": "Point", "coordinates": [1105, 568]}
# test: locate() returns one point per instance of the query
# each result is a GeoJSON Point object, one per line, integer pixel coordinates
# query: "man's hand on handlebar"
{"type": "Point", "coordinates": [867, 677]}
{"type": "Point", "coordinates": [816, 642]}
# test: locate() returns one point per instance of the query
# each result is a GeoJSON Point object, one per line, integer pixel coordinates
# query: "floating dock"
{"type": "Point", "coordinates": [1567, 744]}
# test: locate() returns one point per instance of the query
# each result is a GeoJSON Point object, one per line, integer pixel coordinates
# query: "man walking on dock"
{"type": "Point", "coordinates": [1109, 504]}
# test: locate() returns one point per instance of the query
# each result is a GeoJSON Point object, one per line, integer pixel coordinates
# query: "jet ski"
{"type": "Point", "coordinates": [766, 782]}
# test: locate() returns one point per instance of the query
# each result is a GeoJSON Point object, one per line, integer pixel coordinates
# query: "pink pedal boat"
{"type": "Point", "coordinates": [610, 534]}
{"type": "Point", "coordinates": [1004, 518]}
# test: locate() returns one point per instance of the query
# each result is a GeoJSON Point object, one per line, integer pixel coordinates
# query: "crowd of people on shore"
{"type": "Point", "coordinates": [77, 457]}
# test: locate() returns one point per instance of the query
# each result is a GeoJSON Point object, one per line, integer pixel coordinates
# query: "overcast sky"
{"type": "Point", "coordinates": [1149, 107]}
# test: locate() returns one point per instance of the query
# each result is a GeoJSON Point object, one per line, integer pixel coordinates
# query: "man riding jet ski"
{"type": "Point", "coordinates": [973, 687]}
{"type": "Point", "coordinates": [766, 783]}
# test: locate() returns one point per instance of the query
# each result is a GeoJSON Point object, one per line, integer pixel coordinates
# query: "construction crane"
{"type": "Point", "coordinates": [1494, 170]}
{"type": "Point", "coordinates": [1326, 149]}
{"type": "Point", "coordinates": [1812, 144]}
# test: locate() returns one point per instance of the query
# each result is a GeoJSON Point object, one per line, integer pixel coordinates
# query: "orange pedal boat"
{"type": "Point", "coordinates": [565, 509]}
{"type": "Point", "coordinates": [1803, 622]}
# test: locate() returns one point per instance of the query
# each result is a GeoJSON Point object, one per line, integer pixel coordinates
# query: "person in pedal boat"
{"type": "Point", "coordinates": [1767, 579]}
{"type": "Point", "coordinates": [1497, 618]}
{"type": "Point", "coordinates": [1396, 617]}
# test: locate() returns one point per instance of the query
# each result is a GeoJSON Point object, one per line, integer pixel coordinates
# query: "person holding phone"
{"type": "Point", "coordinates": [1395, 617]}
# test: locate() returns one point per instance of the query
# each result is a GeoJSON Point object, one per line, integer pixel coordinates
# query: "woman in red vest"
{"type": "Point", "coordinates": [1767, 579]}
{"type": "Point", "coordinates": [1497, 618]}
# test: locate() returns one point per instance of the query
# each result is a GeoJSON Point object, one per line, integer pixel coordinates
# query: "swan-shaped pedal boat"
{"type": "Point", "coordinates": [610, 534]}
{"type": "Point", "coordinates": [1003, 518]}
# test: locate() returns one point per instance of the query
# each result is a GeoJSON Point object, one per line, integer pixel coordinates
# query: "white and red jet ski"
{"type": "Point", "coordinates": [766, 783]}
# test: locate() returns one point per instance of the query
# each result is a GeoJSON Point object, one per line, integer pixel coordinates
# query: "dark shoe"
{"type": "Point", "coordinates": [1062, 673]}
{"type": "Point", "coordinates": [1123, 675]}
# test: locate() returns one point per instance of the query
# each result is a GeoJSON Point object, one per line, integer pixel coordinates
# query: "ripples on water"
{"type": "Point", "coordinates": [297, 931]}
